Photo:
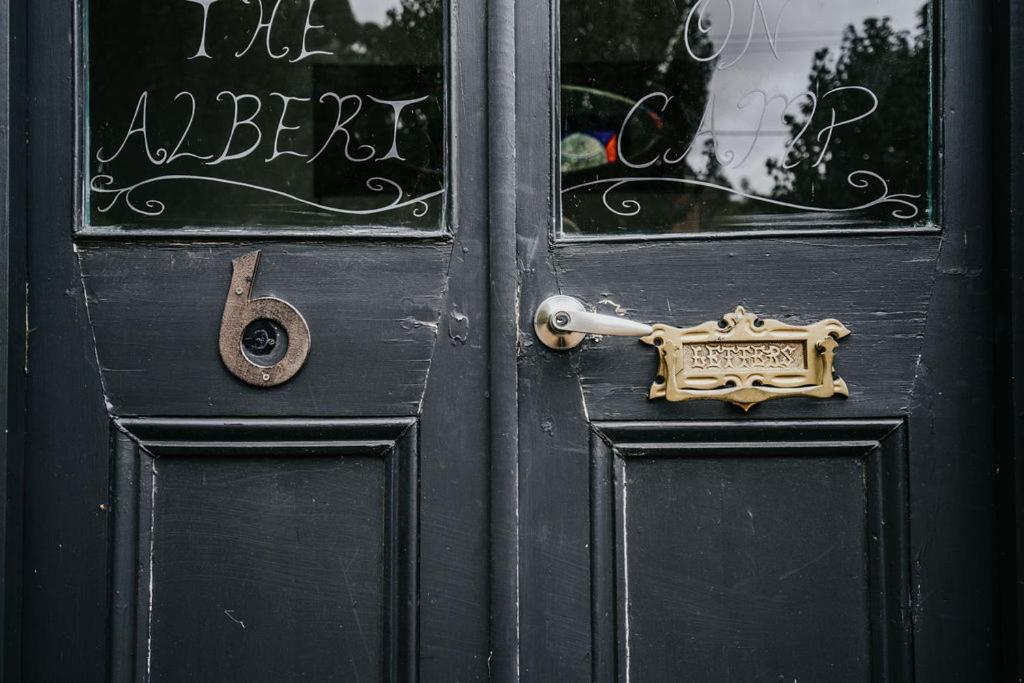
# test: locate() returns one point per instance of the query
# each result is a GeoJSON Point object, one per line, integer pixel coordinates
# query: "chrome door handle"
{"type": "Point", "coordinates": [562, 322]}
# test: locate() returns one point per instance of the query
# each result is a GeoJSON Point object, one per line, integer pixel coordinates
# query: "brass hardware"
{"type": "Point", "coordinates": [264, 341]}
{"type": "Point", "coordinates": [741, 359]}
{"type": "Point", "coordinates": [745, 360]}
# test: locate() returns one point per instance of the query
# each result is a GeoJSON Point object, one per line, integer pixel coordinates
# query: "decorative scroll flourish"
{"type": "Point", "coordinates": [103, 184]}
{"type": "Point", "coordinates": [904, 209]}
{"type": "Point", "coordinates": [745, 360]}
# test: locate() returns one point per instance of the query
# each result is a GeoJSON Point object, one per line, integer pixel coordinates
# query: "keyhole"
{"type": "Point", "coordinates": [260, 337]}
{"type": "Point", "coordinates": [264, 341]}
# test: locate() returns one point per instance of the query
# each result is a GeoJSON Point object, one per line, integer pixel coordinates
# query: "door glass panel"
{"type": "Point", "coordinates": [265, 113]}
{"type": "Point", "coordinates": [713, 115]}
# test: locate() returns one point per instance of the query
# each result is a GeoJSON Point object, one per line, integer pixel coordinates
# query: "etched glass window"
{"type": "Point", "coordinates": [686, 116]}
{"type": "Point", "coordinates": [283, 113]}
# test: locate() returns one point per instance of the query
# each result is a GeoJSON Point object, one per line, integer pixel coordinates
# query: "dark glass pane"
{"type": "Point", "coordinates": [265, 113]}
{"type": "Point", "coordinates": [711, 115]}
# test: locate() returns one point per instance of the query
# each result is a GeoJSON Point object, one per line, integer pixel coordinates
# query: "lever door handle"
{"type": "Point", "coordinates": [742, 358]}
{"type": "Point", "coordinates": [561, 323]}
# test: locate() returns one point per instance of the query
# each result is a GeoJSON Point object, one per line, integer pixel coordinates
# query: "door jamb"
{"type": "Point", "coordinates": [503, 337]}
{"type": "Point", "coordinates": [1008, 274]}
{"type": "Point", "coordinates": [13, 324]}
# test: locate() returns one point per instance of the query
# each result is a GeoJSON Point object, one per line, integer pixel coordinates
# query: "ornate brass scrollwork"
{"type": "Point", "coordinates": [745, 360]}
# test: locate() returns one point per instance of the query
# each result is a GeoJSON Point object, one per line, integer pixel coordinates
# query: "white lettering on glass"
{"type": "Point", "coordinates": [236, 124]}
{"type": "Point", "coordinates": [396, 106]}
{"type": "Point", "coordinates": [707, 126]}
{"type": "Point", "coordinates": [243, 132]}
{"type": "Point", "coordinates": [698, 16]}
{"type": "Point", "coordinates": [267, 26]}
{"type": "Point", "coordinates": [281, 126]}
{"type": "Point", "coordinates": [184, 134]}
{"type": "Point", "coordinates": [905, 206]}
{"type": "Point", "coordinates": [137, 126]}
{"type": "Point", "coordinates": [304, 52]}
{"type": "Point", "coordinates": [340, 127]}
{"type": "Point", "coordinates": [201, 52]}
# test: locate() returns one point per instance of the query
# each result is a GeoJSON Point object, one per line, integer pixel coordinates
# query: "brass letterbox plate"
{"type": "Point", "coordinates": [745, 360]}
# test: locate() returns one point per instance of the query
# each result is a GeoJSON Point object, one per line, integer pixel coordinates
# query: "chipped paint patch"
{"type": "Point", "coordinates": [458, 327]}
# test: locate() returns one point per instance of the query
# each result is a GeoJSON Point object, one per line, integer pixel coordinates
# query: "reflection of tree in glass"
{"type": "Point", "coordinates": [410, 35]}
{"type": "Point", "coordinates": [412, 39]}
{"type": "Point", "coordinates": [404, 56]}
{"type": "Point", "coordinates": [402, 59]}
{"type": "Point", "coordinates": [891, 142]}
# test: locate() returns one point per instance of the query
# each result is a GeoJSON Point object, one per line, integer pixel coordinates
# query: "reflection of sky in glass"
{"type": "Point", "coordinates": [372, 10]}
{"type": "Point", "coordinates": [805, 26]}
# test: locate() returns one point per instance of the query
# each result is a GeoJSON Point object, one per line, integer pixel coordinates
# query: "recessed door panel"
{"type": "Point", "coordinates": [749, 551]}
{"type": "Point", "coordinates": [275, 553]}
{"type": "Point", "coordinates": [238, 538]}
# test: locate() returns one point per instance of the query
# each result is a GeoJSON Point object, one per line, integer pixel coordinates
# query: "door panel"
{"type": "Point", "coordinates": [886, 305]}
{"type": "Point", "coordinates": [344, 506]}
{"type": "Point", "coordinates": [636, 510]}
{"type": "Point", "coordinates": [153, 310]}
{"type": "Point", "coordinates": [736, 551]}
{"type": "Point", "coordinates": [232, 535]}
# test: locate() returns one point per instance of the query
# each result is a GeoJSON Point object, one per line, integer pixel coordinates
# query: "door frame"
{"type": "Point", "coordinates": [1008, 106]}
{"type": "Point", "coordinates": [13, 323]}
{"type": "Point", "coordinates": [503, 338]}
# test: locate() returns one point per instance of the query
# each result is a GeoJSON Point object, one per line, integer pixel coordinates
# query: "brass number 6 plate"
{"type": "Point", "coordinates": [746, 360]}
{"type": "Point", "coordinates": [264, 341]}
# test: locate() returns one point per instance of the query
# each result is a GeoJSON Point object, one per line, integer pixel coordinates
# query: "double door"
{"type": "Point", "coordinates": [301, 405]}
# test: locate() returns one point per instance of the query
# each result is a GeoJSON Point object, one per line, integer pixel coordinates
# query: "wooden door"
{"type": "Point", "coordinates": [277, 409]}
{"type": "Point", "coordinates": [808, 161]}
{"type": "Point", "coordinates": [200, 503]}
